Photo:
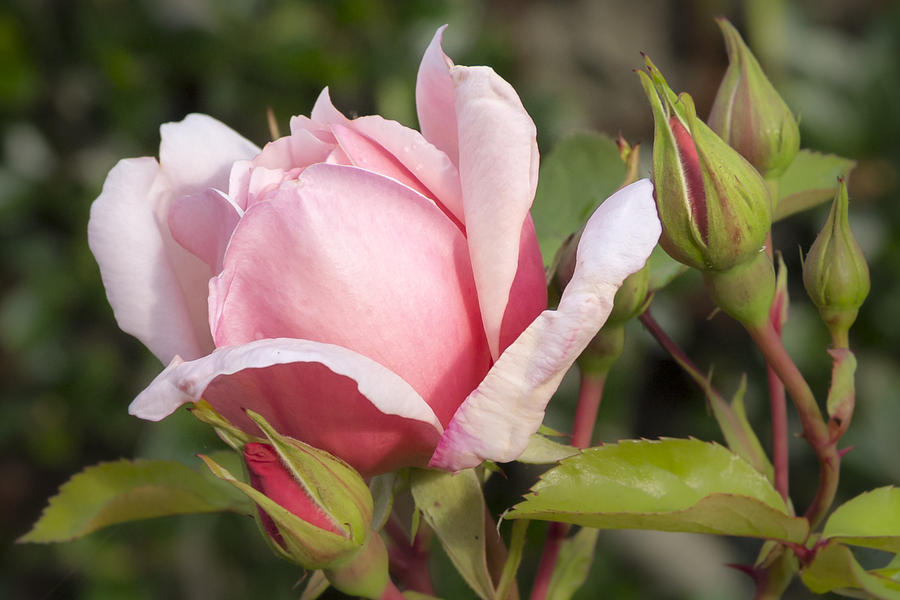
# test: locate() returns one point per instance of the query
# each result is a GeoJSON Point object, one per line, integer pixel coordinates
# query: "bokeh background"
{"type": "Point", "coordinates": [86, 82]}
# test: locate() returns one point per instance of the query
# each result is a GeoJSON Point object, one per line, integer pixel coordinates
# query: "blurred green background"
{"type": "Point", "coordinates": [84, 83]}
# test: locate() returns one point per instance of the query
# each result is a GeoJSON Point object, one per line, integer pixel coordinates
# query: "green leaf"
{"type": "Point", "coordinates": [872, 520]}
{"type": "Point", "coordinates": [543, 451]}
{"type": "Point", "coordinates": [121, 491]}
{"type": "Point", "coordinates": [576, 176]}
{"type": "Point", "coordinates": [809, 181]}
{"type": "Point", "coordinates": [453, 505]}
{"type": "Point", "coordinates": [736, 428]}
{"type": "Point", "coordinates": [573, 565]}
{"type": "Point", "coordinates": [669, 485]}
{"type": "Point", "coordinates": [835, 569]}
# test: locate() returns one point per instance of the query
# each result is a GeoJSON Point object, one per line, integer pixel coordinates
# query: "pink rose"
{"type": "Point", "coordinates": [371, 290]}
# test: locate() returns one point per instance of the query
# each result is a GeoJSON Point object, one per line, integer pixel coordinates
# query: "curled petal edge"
{"type": "Point", "coordinates": [497, 419]}
{"type": "Point", "coordinates": [182, 382]}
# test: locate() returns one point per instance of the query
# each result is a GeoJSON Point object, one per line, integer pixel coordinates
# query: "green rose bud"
{"type": "Point", "coordinates": [314, 509]}
{"type": "Point", "coordinates": [835, 272]}
{"type": "Point", "coordinates": [749, 114]}
{"type": "Point", "coordinates": [714, 206]}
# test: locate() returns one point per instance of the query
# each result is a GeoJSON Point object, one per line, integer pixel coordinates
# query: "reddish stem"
{"type": "Point", "coordinates": [589, 396]}
{"type": "Point", "coordinates": [556, 532]}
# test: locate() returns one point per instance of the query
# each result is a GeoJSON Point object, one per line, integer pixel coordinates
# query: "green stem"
{"type": "Point", "coordinates": [815, 431]}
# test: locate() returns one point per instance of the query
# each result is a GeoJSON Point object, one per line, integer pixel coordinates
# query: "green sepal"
{"type": "Point", "coordinates": [231, 435]}
{"type": "Point", "coordinates": [121, 491]}
{"type": "Point", "coordinates": [453, 506]}
{"type": "Point", "coordinates": [305, 544]}
{"type": "Point", "coordinates": [668, 485]}
{"type": "Point", "coordinates": [315, 586]}
{"type": "Point", "coordinates": [336, 487]}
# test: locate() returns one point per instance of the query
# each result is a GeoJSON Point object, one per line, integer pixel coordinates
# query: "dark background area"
{"type": "Point", "coordinates": [84, 83]}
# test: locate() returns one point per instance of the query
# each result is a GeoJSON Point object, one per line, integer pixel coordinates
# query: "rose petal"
{"type": "Point", "coordinates": [324, 112]}
{"type": "Point", "coordinates": [366, 154]}
{"type": "Point", "coordinates": [197, 153]}
{"type": "Point", "coordinates": [325, 395]}
{"type": "Point", "coordinates": [202, 223]}
{"type": "Point", "coordinates": [528, 295]}
{"type": "Point", "coordinates": [150, 281]}
{"type": "Point", "coordinates": [348, 257]}
{"type": "Point", "coordinates": [424, 161]}
{"type": "Point", "coordinates": [498, 160]}
{"type": "Point", "coordinates": [435, 99]}
{"type": "Point", "coordinates": [497, 419]}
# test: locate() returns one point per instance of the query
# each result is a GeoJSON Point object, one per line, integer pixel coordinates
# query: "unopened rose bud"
{"type": "Point", "coordinates": [749, 114]}
{"type": "Point", "coordinates": [314, 508]}
{"type": "Point", "coordinates": [714, 206]}
{"type": "Point", "coordinates": [835, 272]}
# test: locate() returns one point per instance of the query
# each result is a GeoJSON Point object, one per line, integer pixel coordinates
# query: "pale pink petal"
{"type": "Point", "coordinates": [323, 394]}
{"type": "Point", "coordinates": [321, 131]}
{"type": "Point", "coordinates": [348, 257]}
{"type": "Point", "coordinates": [296, 150]}
{"type": "Point", "coordinates": [143, 270]}
{"type": "Point", "coordinates": [424, 161]}
{"type": "Point", "coordinates": [436, 98]}
{"type": "Point", "coordinates": [198, 152]}
{"type": "Point", "coordinates": [324, 112]}
{"type": "Point", "coordinates": [202, 223]}
{"type": "Point", "coordinates": [498, 158]}
{"type": "Point", "coordinates": [249, 184]}
{"type": "Point", "coordinates": [371, 156]}
{"type": "Point", "coordinates": [497, 419]}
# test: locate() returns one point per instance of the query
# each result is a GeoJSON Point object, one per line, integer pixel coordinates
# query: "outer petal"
{"type": "Point", "coordinates": [498, 161]}
{"type": "Point", "coordinates": [348, 257]}
{"type": "Point", "coordinates": [436, 98]}
{"type": "Point", "coordinates": [324, 112]}
{"type": "Point", "coordinates": [198, 152]}
{"type": "Point", "coordinates": [143, 270]}
{"type": "Point", "coordinates": [202, 223]}
{"type": "Point", "coordinates": [497, 419]}
{"type": "Point", "coordinates": [326, 395]}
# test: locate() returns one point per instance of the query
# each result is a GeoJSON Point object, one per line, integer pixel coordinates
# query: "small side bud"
{"type": "Point", "coordinates": [749, 114]}
{"type": "Point", "coordinates": [314, 509]}
{"type": "Point", "coordinates": [714, 206]}
{"type": "Point", "coordinates": [835, 272]}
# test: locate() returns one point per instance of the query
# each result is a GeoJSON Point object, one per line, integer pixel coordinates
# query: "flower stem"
{"type": "Point", "coordinates": [556, 532]}
{"type": "Point", "coordinates": [589, 396]}
{"type": "Point", "coordinates": [815, 431]}
{"type": "Point", "coordinates": [409, 560]}
{"type": "Point", "coordinates": [777, 400]}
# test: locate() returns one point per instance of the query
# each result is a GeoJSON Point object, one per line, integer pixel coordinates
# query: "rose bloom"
{"type": "Point", "coordinates": [371, 290]}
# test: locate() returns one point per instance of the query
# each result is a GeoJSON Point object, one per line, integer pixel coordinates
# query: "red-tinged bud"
{"type": "Point", "coordinates": [835, 272]}
{"type": "Point", "coordinates": [269, 476]}
{"type": "Point", "coordinates": [749, 114]}
{"type": "Point", "coordinates": [714, 206]}
{"type": "Point", "coordinates": [314, 509]}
